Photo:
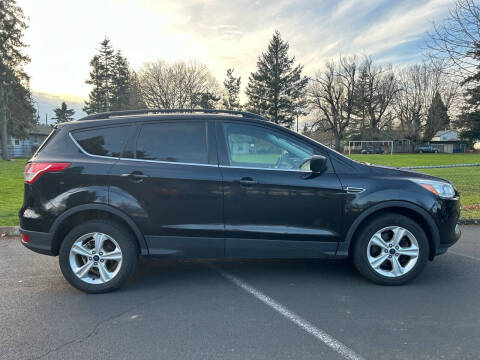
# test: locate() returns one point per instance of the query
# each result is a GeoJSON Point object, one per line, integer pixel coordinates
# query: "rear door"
{"type": "Point", "coordinates": [169, 176]}
{"type": "Point", "coordinates": [273, 205]}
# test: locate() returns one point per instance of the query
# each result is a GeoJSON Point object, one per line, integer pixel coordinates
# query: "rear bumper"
{"type": "Point", "coordinates": [39, 242]}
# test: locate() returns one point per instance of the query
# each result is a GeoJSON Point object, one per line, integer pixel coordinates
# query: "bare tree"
{"type": "Point", "coordinates": [417, 86]}
{"type": "Point", "coordinates": [331, 96]}
{"type": "Point", "coordinates": [376, 88]}
{"type": "Point", "coordinates": [177, 85]}
{"type": "Point", "coordinates": [454, 40]}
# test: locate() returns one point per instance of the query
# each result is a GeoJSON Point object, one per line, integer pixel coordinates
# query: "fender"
{"type": "Point", "coordinates": [342, 249]}
{"type": "Point", "coordinates": [103, 207]}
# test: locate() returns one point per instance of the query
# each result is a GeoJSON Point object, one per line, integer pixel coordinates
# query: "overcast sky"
{"type": "Point", "coordinates": [64, 34]}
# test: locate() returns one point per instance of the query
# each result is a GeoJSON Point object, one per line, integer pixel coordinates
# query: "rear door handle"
{"type": "Point", "coordinates": [135, 176]}
{"type": "Point", "coordinates": [247, 181]}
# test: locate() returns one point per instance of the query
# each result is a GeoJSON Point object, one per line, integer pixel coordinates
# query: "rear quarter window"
{"type": "Point", "coordinates": [108, 141]}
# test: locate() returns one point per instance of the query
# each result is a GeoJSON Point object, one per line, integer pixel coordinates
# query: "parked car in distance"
{"type": "Point", "coordinates": [373, 150]}
{"type": "Point", "coordinates": [425, 148]}
{"type": "Point", "coordinates": [103, 190]}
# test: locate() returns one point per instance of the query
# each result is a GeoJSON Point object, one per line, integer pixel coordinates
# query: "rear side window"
{"type": "Point", "coordinates": [103, 141]}
{"type": "Point", "coordinates": [184, 142]}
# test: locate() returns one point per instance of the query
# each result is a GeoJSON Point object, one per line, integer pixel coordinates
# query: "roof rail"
{"type": "Point", "coordinates": [106, 115]}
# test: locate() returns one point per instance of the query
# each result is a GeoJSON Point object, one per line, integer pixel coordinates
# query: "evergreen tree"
{"type": "Point", "coordinates": [16, 110]}
{"type": "Point", "coordinates": [120, 82]}
{"type": "Point", "coordinates": [360, 110]}
{"type": "Point", "coordinates": [277, 88]}
{"type": "Point", "coordinates": [231, 100]}
{"type": "Point", "coordinates": [135, 99]}
{"type": "Point", "coordinates": [469, 120]}
{"type": "Point", "coordinates": [205, 100]}
{"type": "Point", "coordinates": [437, 118]}
{"type": "Point", "coordinates": [21, 112]}
{"type": "Point", "coordinates": [63, 114]}
{"type": "Point", "coordinates": [110, 77]}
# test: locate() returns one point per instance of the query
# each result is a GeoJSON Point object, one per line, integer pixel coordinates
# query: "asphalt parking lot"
{"type": "Point", "coordinates": [235, 309]}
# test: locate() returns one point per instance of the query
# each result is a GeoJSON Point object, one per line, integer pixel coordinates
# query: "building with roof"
{"type": "Point", "coordinates": [26, 147]}
{"type": "Point", "coordinates": [448, 141]}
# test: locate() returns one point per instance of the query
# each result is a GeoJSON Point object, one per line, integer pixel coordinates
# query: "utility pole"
{"type": "Point", "coordinates": [46, 122]}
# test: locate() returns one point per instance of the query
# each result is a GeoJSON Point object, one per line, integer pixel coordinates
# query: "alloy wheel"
{"type": "Point", "coordinates": [95, 258]}
{"type": "Point", "coordinates": [393, 251]}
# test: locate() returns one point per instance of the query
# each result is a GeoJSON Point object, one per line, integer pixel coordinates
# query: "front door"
{"type": "Point", "coordinates": [273, 205]}
{"type": "Point", "coordinates": [170, 183]}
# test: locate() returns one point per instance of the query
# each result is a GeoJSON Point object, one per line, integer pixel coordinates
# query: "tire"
{"type": "Point", "coordinates": [388, 265]}
{"type": "Point", "coordinates": [111, 270]}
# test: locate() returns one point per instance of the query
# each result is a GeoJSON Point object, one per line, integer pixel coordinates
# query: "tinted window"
{"type": "Point", "coordinates": [103, 141]}
{"type": "Point", "coordinates": [175, 142]}
{"type": "Point", "coordinates": [255, 146]}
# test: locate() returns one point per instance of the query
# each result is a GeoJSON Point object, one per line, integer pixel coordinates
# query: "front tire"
{"type": "Point", "coordinates": [98, 256]}
{"type": "Point", "coordinates": [390, 249]}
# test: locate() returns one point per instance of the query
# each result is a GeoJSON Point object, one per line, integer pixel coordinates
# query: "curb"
{"type": "Point", "coordinates": [9, 231]}
{"type": "Point", "coordinates": [469, 221]}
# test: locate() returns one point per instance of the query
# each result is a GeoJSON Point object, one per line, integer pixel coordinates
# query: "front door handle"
{"type": "Point", "coordinates": [135, 176]}
{"type": "Point", "coordinates": [247, 181]}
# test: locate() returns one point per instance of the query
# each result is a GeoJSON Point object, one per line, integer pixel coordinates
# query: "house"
{"type": "Point", "coordinates": [26, 147]}
{"type": "Point", "coordinates": [448, 141]}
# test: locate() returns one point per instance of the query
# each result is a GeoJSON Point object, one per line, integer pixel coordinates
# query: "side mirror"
{"type": "Point", "coordinates": [318, 164]}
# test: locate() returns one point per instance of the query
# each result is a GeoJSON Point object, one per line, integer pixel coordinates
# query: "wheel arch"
{"type": "Point", "coordinates": [415, 212]}
{"type": "Point", "coordinates": [78, 214]}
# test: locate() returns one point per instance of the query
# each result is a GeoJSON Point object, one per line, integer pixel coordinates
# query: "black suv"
{"type": "Point", "coordinates": [210, 184]}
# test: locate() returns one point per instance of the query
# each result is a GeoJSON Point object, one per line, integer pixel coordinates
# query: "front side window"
{"type": "Point", "coordinates": [103, 141]}
{"type": "Point", "coordinates": [258, 147]}
{"type": "Point", "coordinates": [184, 142]}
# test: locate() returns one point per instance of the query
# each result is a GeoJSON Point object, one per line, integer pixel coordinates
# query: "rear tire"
{"type": "Point", "coordinates": [390, 249]}
{"type": "Point", "coordinates": [98, 256]}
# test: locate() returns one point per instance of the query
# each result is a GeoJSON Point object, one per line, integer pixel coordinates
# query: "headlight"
{"type": "Point", "coordinates": [440, 188]}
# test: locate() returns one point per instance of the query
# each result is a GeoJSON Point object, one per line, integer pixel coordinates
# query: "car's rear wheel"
{"type": "Point", "coordinates": [98, 256]}
{"type": "Point", "coordinates": [391, 249]}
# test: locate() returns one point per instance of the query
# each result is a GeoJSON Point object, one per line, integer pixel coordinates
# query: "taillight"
{"type": "Point", "coordinates": [25, 238]}
{"type": "Point", "coordinates": [35, 169]}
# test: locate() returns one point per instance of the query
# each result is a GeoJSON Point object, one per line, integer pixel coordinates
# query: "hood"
{"type": "Point", "coordinates": [380, 170]}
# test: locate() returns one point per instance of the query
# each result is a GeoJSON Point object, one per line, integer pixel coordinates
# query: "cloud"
{"type": "Point", "coordinates": [404, 24]}
{"type": "Point", "coordinates": [64, 35]}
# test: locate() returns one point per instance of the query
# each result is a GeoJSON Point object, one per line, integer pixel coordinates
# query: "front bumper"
{"type": "Point", "coordinates": [447, 215]}
{"type": "Point", "coordinates": [39, 242]}
{"type": "Point", "coordinates": [449, 241]}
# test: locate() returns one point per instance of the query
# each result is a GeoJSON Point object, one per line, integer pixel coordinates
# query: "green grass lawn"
{"type": "Point", "coordinates": [11, 190]}
{"type": "Point", "coordinates": [467, 180]}
{"type": "Point", "coordinates": [402, 160]}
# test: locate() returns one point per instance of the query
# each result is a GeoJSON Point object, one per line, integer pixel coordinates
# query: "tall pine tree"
{"type": "Point", "coordinates": [469, 120]}
{"type": "Point", "coordinates": [231, 100]}
{"type": "Point", "coordinates": [63, 113]}
{"type": "Point", "coordinates": [437, 118]}
{"type": "Point", "coordinates": [277, 88]}
{"type": "Point", "coordinates": [110, 77]}
{"type": "Point", "coordinates": [16, 110]}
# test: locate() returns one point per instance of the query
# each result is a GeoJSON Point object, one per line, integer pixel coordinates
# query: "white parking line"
{"type": "Point", "coordinates": [321, 335]}
{"type": "Point", "coordinates": [464, 255]}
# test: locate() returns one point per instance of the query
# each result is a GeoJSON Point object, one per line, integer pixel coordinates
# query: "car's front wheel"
{"type": "Point", "coordinates": [390, 249]}
{"type": "Point", "coordinates": [98, 256]}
